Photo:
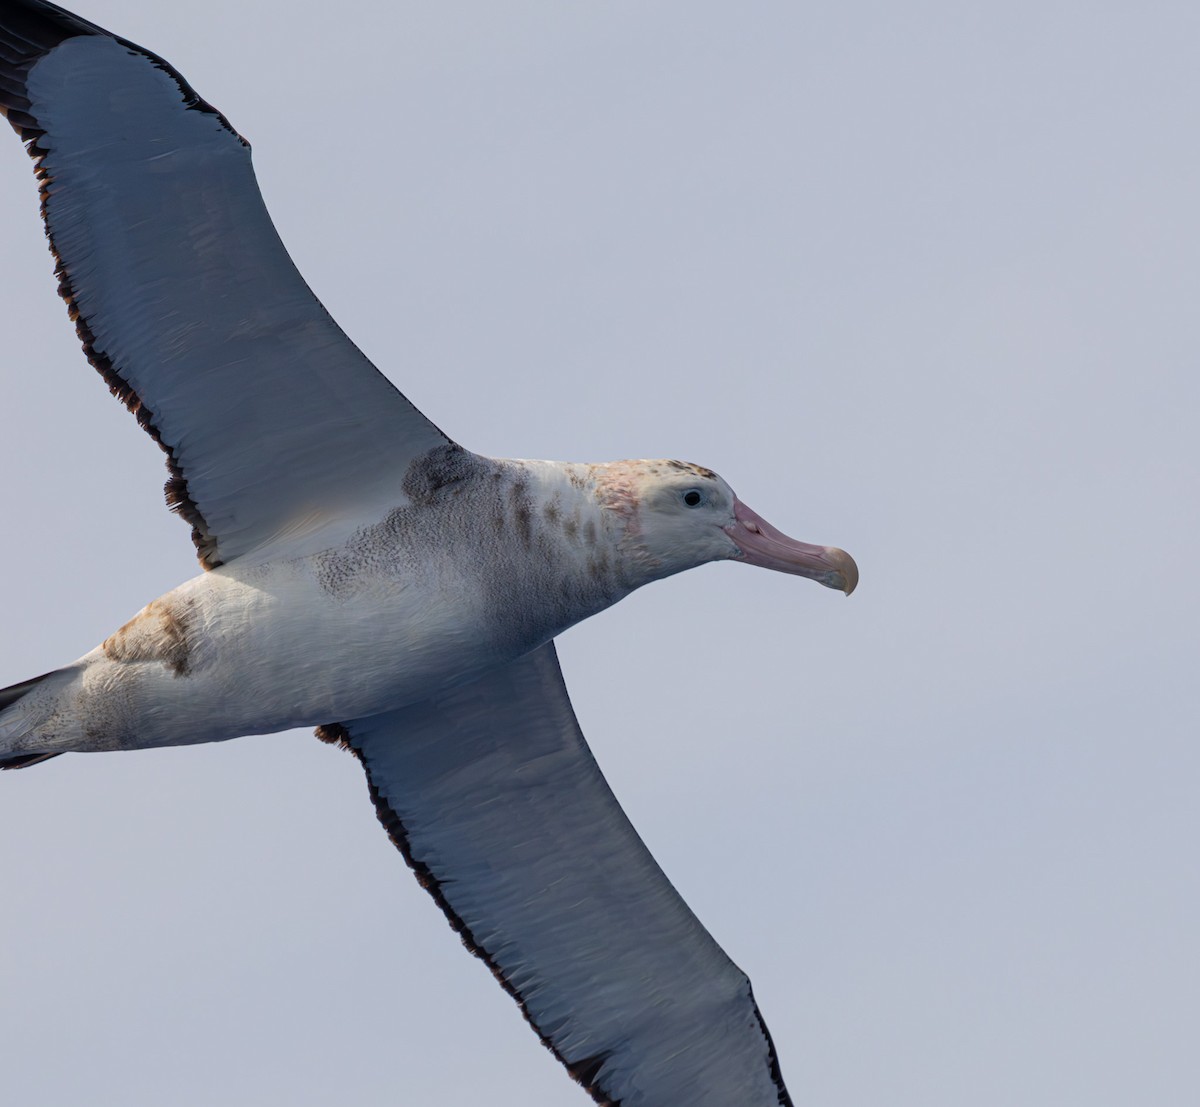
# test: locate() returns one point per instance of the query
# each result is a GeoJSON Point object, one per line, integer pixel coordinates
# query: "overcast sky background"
{"type": "Point", "coordinates": [920, 281]}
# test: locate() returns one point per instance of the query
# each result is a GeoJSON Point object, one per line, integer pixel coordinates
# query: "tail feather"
{"type": "Point", "coordinates": [9, 696]}
{"type": "Point", "coordinates": [24, 760]}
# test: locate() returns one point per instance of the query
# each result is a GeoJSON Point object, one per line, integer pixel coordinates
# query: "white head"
{"type": "Point", "coordinates": [678, 515]}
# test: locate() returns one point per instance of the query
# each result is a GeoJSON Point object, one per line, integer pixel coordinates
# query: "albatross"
{"type": "Point", "coordinates": [366, 575]}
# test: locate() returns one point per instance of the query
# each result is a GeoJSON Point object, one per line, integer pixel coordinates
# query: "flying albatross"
{"type": "Point", "coordinates": [366, 575]}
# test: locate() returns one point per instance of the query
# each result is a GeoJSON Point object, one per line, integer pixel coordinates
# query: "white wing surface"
{"type": "Point", "coordinates": [185, 298]}
{"type": "Point", "coordinates": [496, 802]}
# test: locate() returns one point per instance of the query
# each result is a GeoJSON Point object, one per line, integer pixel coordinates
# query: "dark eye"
{"type": "Point", "coordinates": [692, 498]}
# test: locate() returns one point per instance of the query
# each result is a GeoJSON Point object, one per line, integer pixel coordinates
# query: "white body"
{"type": "Point", "coordinates": [381, 620]}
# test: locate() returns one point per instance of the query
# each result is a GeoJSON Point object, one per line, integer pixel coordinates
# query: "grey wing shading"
{"type": "Point", "coordinates": [493, 797]}
{"type": "Point", "coordinates": [185, 298]}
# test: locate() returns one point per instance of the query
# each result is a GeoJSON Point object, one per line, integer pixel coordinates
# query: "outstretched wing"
{"type": "Point", "coordinates": [493, 797]}
{"type": "Point", "coordinates": [185, 298]}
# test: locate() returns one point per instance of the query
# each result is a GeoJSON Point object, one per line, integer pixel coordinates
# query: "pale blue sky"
{"type": "Point", "coordinates": [918, 283]}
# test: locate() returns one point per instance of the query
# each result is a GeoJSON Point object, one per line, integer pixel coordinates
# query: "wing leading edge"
{"type": "Point", "coordinates": [496, 802]}
{"type": "Point", "coordinates": [185, 298]}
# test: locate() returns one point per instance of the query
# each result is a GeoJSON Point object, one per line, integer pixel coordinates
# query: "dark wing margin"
{"type": "Point", "coordinates": [185, 299]}
{"type": "Point", "coordinates": [495, 801]}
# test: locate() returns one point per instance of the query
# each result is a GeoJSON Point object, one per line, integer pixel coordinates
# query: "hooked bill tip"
{"type": "Point", "coordinates": [846, 566]}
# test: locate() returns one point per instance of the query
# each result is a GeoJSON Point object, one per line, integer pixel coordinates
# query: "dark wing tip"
{"type": "Point", "coordinates": [30, 29]}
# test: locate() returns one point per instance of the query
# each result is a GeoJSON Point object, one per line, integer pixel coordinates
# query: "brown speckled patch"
{"type": "Point", "coordinates": [160, 632]}
{"type": "Point", "coordinates": [524, 560]}
{"type": "Point", "coordinates": [521, 509]}
{"type": "Point", "coordinates": [688, 467]}
{"type": "Point", "coordinates": [618, 485]}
